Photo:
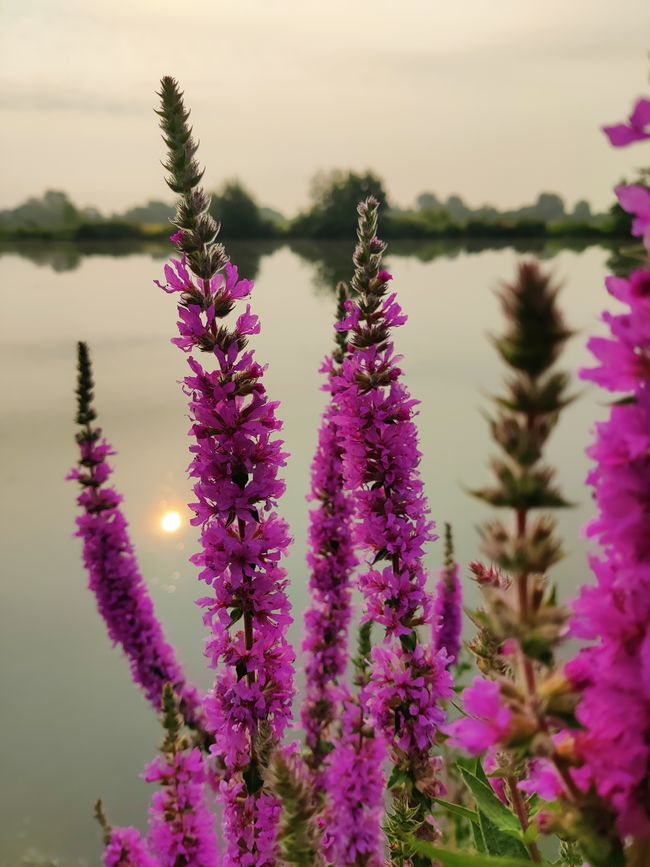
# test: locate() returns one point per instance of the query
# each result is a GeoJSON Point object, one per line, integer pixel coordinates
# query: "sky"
{"type": "Point", "coordinates": [493, 99]}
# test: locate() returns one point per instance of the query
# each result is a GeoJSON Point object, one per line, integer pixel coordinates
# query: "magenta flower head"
{"type": "Point", "coordinates": [331, 561]}
{"type": "Point", "coordinates": [114, 578]}
{"type": "Point", "coordinates": [636, 129]}
{"type": "Point", "coordinates": [487, 722]}
{"type": "Point", "coordinates": [354, 783]}
{"type": "Point", "coordinates": [448, 608]}
{"type": "Point", "coordinates": [613, 673]}
{"type": "Point", "coordinates": [181, 828]}
{"type": "Point", "coordinates": [126, 848]}
{"type": "Point", "coordinates": [236, 460]}
{"type": "Point", "coordinates": [635, 200]}
{"type": "Point", "coordinates": [381, 458]}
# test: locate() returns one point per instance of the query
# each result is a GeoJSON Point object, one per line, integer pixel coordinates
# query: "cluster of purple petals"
{"type": "Point", "coordinates": [249, 826]}
{"type": "Point", "coordinates": [636, 129]}
{"type": "Point", "coordinates": [613, 673]}
{"type": "Point", "coordinates": [355, 783]}
{"type": "Point", "coordinates": [405, 692]}
{"type": "Point", "coordinates": [331, 561]}
{"type": "Point", "coordinates": [487, 720]}
{"type": "Point", "coordinates": [115, 580]}
{"type": "Point", "coordinates": [448, 611]}
{"type": "Point", "coordinates": [181, 828]}
{"type": "Point", "coordinates": [126, 848]}
{"type": "Point", "coordinates": [236, 459]}
{"type": "Point", "coordinates": [380, 466]}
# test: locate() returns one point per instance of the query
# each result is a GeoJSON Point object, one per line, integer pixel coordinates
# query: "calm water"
{"type": "Point", "coordinates": [74, 727]}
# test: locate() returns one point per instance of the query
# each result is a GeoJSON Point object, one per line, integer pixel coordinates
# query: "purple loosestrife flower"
{"type": "Point", "coordinates": [331, 560]}
{"type": "Point", "coordinates": [354, 783]}
{"type": "Point", "coordinates": [237, 456]}
{"type": "Point", "coordinates": [180, 822]}
{"type": "Point", "coordinates": [126, 848]}
{"type": "Point", "coordinates": [635, 199]}
{"type": "Point", "coordinates": [448, 607]}
{"type": "Point", "coordinates": [636, 129]}
{"type": "Point", "coordinates": [487, 722]}
{"type": "Point", "coordinates": [380, 467]}
{"type": "Point", "coordinates": [614, 672]}
{"type": "Point", "coordinates": [181, 828]}
{"type": "Point", "coordinates": [113, 575]}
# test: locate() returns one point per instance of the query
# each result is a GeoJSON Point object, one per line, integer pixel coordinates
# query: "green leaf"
{"type": "Point", "coordinates": [500, 842]}
{"type": "Point", "coordinates": [491, 806]}
{"type": "Point", "coordinates": [464, 859]}
{"type": "Point", "coordinates": [398, 778]}
{"type": "Point", "coordinates": [458, 810]}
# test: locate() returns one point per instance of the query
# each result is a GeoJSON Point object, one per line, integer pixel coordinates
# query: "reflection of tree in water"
{"type": "Point", "coordinates": [247, 255]}
{"type": "Point", "coordinates": [331, 260]}
{"type": "Point", "coordinates": [68, 255]}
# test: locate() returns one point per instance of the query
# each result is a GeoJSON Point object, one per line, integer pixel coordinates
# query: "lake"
{"type": "Point", "coordinates": [74, 726]}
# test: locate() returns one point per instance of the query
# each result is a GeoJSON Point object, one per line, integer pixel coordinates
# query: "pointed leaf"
{"type": "Point", "coordinates": [458, 810]}
{"type": "Point", "coordinates": [491, 806]}
{"type": "Point", "coordinates": [464, 859]}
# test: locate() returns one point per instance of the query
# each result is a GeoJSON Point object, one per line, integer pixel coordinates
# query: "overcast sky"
{"type": "Point", "coordinates": [493, 99]}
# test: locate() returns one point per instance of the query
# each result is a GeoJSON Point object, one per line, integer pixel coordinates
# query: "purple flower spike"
{"type": "Point", "coordinates": [113, 574]}
{"type": "Point", "coordinates": [331, 561]}
{"type": "Point", "coordinates": [613, 673]}
{"type": "Point", "coordinates": [237, 456]}
{"type": "Point", "coordinates": [181, 828]}
{"type": "Point", "coordinates": [126, 848]}
{"type": "Point", "coordinates": [354, 783]}
{"type": "Point", "coordinates": [380, 467]}
{"type": "Point", "coordinates": [448, 608]}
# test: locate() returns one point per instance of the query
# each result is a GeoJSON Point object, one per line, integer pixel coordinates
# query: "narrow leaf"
{"type": "Point", "coordinates": [464, 859]}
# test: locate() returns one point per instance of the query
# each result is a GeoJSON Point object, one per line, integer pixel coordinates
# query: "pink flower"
{"type": "Point", "coordinates": [126, 848]}
{"type": "Point", "coordinates": [636, 129]}
{"type": "Point", "coordinates": [488, 719]}
{"type": "Point", "coordinates": [635, 199]}
{"type": "Point", "coordinates": [542, 780]}
{"type": "Point", "coordinates": [354, 782]}
{"type": "Point", "coordinates": [181, 828]}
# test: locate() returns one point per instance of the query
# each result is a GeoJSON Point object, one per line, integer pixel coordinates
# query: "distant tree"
{"type": "Point", "coordinates": [53, 210]}
{"type": "Point", "coordinates": [335, 196]}
{"type": "Point", "coordinates": [582, 212]}
{"type": "Point", "coordinates": [429, 202]}
{"type": "Point", "coordinates": [549, 207]}
{"type": "Point", "coordinates": [154, 211]}
{"type": "Point", "coordinates": [457, 209]}
{"type": "Point", "coordinates": [236, 209]}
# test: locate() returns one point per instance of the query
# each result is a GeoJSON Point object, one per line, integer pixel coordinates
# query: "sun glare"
{"type": "Point", "coordinates": [170, 522]}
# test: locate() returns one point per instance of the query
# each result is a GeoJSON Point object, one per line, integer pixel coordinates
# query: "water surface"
{"type": "Point", "coordinates": [74, 727]}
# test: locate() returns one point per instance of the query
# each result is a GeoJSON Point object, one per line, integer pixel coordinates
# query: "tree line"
{"type": "Point", "coordinates": [330, 214]}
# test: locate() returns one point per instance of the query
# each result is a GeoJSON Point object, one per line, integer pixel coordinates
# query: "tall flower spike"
{"type": "Point", "coordinates": [181, 828]}
{"type": "Point", "coordinates": [354, 783]}
{"type": "Point", "coordinates": [331, 561]}
{"type": "Point", "coordinates": [614, 672]}
{"type": "Point", "coordinates": [380, 467]}
{"type": "Point", "coordinates": [448, 608]}
{"type": "Point", "coordinates": [123, 847]}
{"type": "Point", "coordinates": [237, 456]}
{"type": "Point", "coordinates": [197, 229]}
{"type": "Point", "coordinates": [527, 413]}
{"type": "Point", "coordinates": [122, 597]}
